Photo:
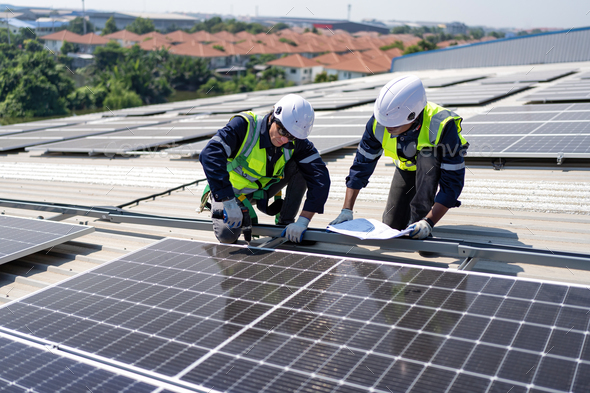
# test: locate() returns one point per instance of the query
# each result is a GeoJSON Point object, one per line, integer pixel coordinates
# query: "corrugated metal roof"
{"type": "Point", "coordinates": [555, 47]}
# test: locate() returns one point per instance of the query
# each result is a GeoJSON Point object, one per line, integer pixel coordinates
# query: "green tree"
{"type": "Point", "coordinates": [280, 26]}
{"type": "Point", "coordinates": [396, 44]}
{"type": "Point", "coordinates": [76, 25]}
{"type": "Point", "coordinates": [37, 86]}
{"type": "Point", "coordinates": [121, 97]}
{"type": "Point", "coordinates": [405, 29]}
{"type": "Point", "coordinates": [477, 34]}
{"type": "Point", "coordinates": [108, 56]}
{"type": "Point", "coordinates": [211, 87]}
{"type": "Point", "coordinates": [186, 73]}
{"type": "Point", "coordinates": [141, 26]}
{"type": "Point", "coordinates": [32, 46]}
{"type": "Point", "coordinates": [497, 34]}
{"type": "Point", "coordinates": [68, 47]}
{"type": "Point", "coordinates": [422, 46]}
{"type": "Point", "coordinates": [110, 26]}
{"type": "Point", "coordinates": [324, 77]}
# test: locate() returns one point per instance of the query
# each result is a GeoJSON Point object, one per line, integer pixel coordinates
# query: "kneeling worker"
{"type": "Point", "coordinates": [253, 157]}
{"type": "Point", "coordinates": [425, 142]}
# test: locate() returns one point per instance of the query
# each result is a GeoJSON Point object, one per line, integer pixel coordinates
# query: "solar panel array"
{"type": "Point", "coordinates": [569, 90]}
{"type": "Point", "coordinates": [538, 131]}
{"type": "Point", "coordinates": [451, 80]}
{"type": "Point", "coordinates": [20, 237]}
{"type": "Point", "coordinates": [330, 132]}
{"type": "Point", "coordinates": [229, 318]}
{"type": "Point", "coordinates": [530, 76]}
{"type": "Point", "coordinates": [585, 75]}
{"type": "Point", "coordinates": [142, 138]}
{"type": "Point", "coordinates": [32, 138]}
{"type": "Point", "coordinates": [472, 93]}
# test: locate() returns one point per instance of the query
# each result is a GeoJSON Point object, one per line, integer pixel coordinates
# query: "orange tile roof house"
{"type": "Point", "coordinates": [155, 44]}
{"type": "Point", "coordinates": [193, 48]}
{"type": "Point", "coordinates": [86, 43]}
{"type": "Point", "coordinates": [179, 36]}
{"type": "Point", "coordinates": [124, 37]}
{"type": "Point", "coordinates": [298, 69]}
{"type": "Point", "coordinates": [356, 68]}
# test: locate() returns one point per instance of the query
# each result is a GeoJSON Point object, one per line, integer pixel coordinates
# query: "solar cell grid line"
{"type": "Point", "coordinates": [34, 368]}
{"type": "Point", "coordinates": [20, 237]}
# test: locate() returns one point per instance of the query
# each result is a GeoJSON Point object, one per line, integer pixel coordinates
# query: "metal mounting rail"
{"type": "Point", "coordinates": [470, 252]}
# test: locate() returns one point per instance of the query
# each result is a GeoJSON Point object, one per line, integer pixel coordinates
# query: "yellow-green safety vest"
{"type": "Point", "coordinates": [247, 171]}
{"type": "Point", "coordinates": [434, 120]}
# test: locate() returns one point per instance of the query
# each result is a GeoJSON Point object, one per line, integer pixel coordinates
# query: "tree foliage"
{"type": "Point", "coordinates": [68, 47]}
{"type": "Point", "coordinates": [216, 24]}
{"type": "Point", "coordinates": [35, 86]}
{"type": "Point", "coordinates": [110, 26]}
{"type": "Point", "coordinates": [396, 44]}
{"type": "Point", "coordinates": [324, 77]}
{"type": "Point", "coordinates": [141, 26]}
{"type": "Point", "coordinates": [76, 25]}
{"type": "Point", "coordinates": [422, 46]}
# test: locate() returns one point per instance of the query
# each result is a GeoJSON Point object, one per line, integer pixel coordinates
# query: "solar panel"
{"type": "Point", "coordinates": [18, 141]}
{"type": "Point", "coordinates": [451, 80]}
{"type": "Point", "coordinates": [34, 368]}
{"type": "Point", "coordinates": [540, 131]}
{"type": "Point", "coordinates": [344, 99]}
{"type": "Point", "coordinates": [530, 76]}
{"type": "Point", "coordinates": [585, 75]}
{"type": "Point", "coordinates": [138, 139]}
{"type": "Point", "coordinates": [20, 237]}
{"type": "Point", "coordinates": [472, 94]}
{"type": "Point", "coordinates": [231, 318]}
{"type": "Point", "coordinates": [331, 132]}
{"type": "Point", "coordinates": [32, 126]}
{"type": "Point", "coordinates": [571, 90]}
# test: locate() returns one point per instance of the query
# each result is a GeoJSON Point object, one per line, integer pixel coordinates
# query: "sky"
{"type": "Point", "coordinates": [524, 14]}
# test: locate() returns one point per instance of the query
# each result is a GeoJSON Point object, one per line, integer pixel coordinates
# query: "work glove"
{"type": "Point", "coordinates": [420, 229]}
{"type": "Point", "coordinates": [296, 230]}
{"type": "Point", "coordinates": [345, 215]}
{"type": "Point", "coordinates": [232, 214]}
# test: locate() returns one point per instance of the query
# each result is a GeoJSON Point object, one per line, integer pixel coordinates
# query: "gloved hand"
{"type": "Point", "coordinates": [420, 229]}
{"type": "Point", "coordinates": [345, 215]}
{"type": "Point", "coordinates": [296, 230]}
{"type": "Point", "coordinates": [232, 214]}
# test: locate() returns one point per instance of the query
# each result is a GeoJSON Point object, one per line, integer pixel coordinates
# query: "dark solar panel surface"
{"type": "Point", "coordinates": [235, 319]}
{"type": "Point", "coordinates": [32, 138]}
{"type": "Point", "coordinates": [330, 133]}
{"type": "Point", "coordinates": [140, 138]}
{"type": "Point", "coordinates": [26, 368]}
{"type": "Point", "coordinates": [530, 76]}
{"type": "Point", "coordinates": [472, 93]}
{"type": "Point", "coordinates": [541, 130]}
{"type": "Point", "coordinates": [571, 90]}
{"type": "Point", "coordinates": [23, 236]}
{"type": "Point", "coordinates": [452, 80]}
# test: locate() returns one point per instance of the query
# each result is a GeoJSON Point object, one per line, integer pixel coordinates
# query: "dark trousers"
{"type": "Point", "coordinates": [296, 188]}
{"type": "Point", "coordinates": [412, 193]}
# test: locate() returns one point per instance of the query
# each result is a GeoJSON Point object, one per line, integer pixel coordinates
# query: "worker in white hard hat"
{"type": "Point", "coordinates": [425, 142]}
{"type": "Point", "coordinates": [254, 157]}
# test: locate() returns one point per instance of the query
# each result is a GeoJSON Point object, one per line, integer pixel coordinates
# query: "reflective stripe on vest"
{"type": "Point", "coordinates": [433, 123]}
{"type": "Point", "coordinates": [247, 171]}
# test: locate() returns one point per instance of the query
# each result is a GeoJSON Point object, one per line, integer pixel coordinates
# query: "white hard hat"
{"type": "Point", "coordinates": [400, 101]}
{"type": "Point", "coordinates": [295, 114]}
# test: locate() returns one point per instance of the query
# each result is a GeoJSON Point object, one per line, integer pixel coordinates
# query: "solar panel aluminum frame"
{"type": "Point", "coordinates": [45, 245]}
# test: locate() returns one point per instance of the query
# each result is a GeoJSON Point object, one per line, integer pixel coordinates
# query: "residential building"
{"type": "Point", "coordinates": [356, 67]}
{"type": "Point", "coordinates": [216, 58]}
{"type": "Point", "coordinates": [298, 69]}
{"type": "Point", "coordinates": [86, 43]}
{"type": "Point", "coordinates": [124, 37]}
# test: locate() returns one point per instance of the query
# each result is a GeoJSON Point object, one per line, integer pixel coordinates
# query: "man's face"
{"type": "Point", "coordinates": [275, 137]}
{"type": "Point", "coordinates": [395, 131]}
